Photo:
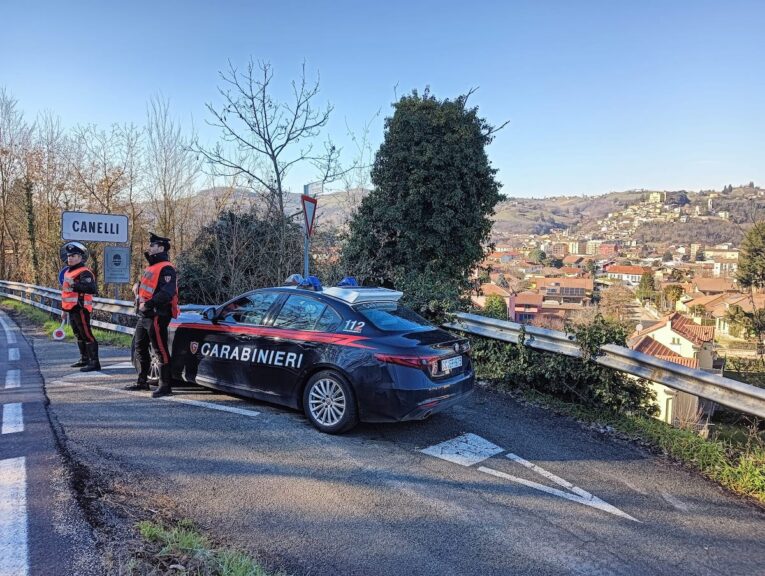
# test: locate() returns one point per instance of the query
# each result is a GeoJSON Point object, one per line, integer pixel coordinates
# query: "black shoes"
{"type": "Point", "coordinates": [93, 363]}
{"type": "Point", "coordinates": [137, 386]}
{"type": "Point", "coordinates": [162, 391]}
{"type": "Point", "coordinates": [83, 361]}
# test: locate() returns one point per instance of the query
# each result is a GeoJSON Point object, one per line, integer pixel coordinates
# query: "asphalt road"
{"type": "Point", "coordinates": [491, 487]}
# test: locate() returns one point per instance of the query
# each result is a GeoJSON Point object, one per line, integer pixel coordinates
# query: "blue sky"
{"type": "Point", "coordinates": [600, 95]}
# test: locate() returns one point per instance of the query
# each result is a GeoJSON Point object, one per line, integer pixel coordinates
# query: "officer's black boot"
{"type": "Point", "coordinates": [93, 363]}
{"type": "Point", "coordinates": [164, 382]}
{"type": "Point", "coordinates": [141, 384]}
{"type": "Point", "coordinates": [83, 361]}
{"type": "Point", "coordinates": [143, 379]}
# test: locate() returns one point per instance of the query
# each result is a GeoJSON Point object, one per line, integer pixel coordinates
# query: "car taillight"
{"type": "Point", "coordinates": [410, 361]}
{"type": "Point", "coordinates": [429, 363]}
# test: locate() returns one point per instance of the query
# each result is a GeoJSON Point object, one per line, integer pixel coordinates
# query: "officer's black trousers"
{"type": "Point", "coordinates": [151, 331]}
{"type": "Point", "coordinates": [79, 318]}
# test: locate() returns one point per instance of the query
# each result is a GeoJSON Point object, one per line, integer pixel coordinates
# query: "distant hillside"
{"type": "Point", "coordinates": [541, 215]}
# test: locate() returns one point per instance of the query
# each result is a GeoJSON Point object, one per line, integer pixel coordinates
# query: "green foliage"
{"type": "Point", "coordinates": [741, 469]}
{"type": "Point", "coordinates": [495, 307]}
{"type": "Point", "coordinates": [647, 287]}
{"type": "Point", "coordinates": [673, 293]}
{"type": "Point", "coordinates": [428, 218]}
{"type": "Point", "coordinates": [183, 545]}
{"type": "Point", "coordinates": [236, 253]}
{"type": "Point", "coordinates": [667, 256]}
{"type": "Point", "coordinates": [580, 380]}
{"type": "Point", "coordinates": [49, 323]}
{"type": "Point", "coordinates": [537, 256]}
{"type": "Point", "coordinates": [751, 260]}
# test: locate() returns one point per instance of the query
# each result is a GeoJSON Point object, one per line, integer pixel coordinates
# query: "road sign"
{"type": "Point", "coordinates": [309, 212]}
{"type": "Point", "coordinates": [116, 265]}
{"type": "Point", "coordinates": [93, 227]}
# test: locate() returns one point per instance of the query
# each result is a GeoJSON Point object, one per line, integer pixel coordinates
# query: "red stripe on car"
{"type": "Point", "coordinates": [302, 335]}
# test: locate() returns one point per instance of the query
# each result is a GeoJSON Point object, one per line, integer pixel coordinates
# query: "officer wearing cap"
{"type": "Point", "coordinates": [77, 290]}
{"type": "Point", "coordinates": [157, 294]}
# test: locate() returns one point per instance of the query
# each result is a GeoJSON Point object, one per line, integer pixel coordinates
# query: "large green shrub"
{"type": "Point", "coordinates": [576, 379]}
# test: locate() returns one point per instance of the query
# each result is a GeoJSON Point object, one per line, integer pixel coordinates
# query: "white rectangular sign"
{"type": "Point", "coordinates": [94, 227]}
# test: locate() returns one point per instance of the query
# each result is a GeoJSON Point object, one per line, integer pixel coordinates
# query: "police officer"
{"type": "Point", "coordinates": [157, 294]}
{"type": "Point", "coordinates": [77, 292]}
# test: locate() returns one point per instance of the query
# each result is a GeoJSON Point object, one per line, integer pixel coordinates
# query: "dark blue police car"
{"type": "Point", "coordinates": [341, 354]}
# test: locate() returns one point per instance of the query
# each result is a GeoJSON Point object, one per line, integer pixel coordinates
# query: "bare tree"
{"type": "Point", "coordinates": [15, 145]}
{"type": "Point", "coordinates": [51, 143]}
{"type": "Point", "coordinates": [264, 138]}
{"type": "Point", "coordinates": [172, 172]}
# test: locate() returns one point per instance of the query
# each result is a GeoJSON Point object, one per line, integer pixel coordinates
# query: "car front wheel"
{"type": "Point", "coordinates": [329, 403]}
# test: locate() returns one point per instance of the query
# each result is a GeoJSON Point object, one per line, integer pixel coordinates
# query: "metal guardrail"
{"type": "Point", "coordinates": [731, 393]}
{"type": "Point", "coordinates": [114, 315]}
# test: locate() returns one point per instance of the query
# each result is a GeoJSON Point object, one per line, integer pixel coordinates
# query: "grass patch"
{"type": "Point", "coordinates": [181, 549]}
{"type": "Point", "coordinates": [739, 467]}
{"type": "Point", "coordinates": [49, 323]}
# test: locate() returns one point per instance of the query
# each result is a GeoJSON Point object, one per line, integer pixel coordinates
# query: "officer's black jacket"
{"type": "Point", "coordinates": [159, 304]}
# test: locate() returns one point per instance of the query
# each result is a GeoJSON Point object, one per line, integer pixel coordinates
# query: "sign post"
{"type": "Point", "coordinates": [309, 214]}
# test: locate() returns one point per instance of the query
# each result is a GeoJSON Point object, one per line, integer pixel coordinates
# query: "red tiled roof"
{"type": "Point", "coordinates": [585, 283]}
{"type": "Point", "coordinates": [528, 298]}
{"type": "Point", "coordinates": [569, 270]}
{"type": "Point", "coordinates": [714, 285]}
{"type": "Point", "coordinates": [694, 332]}
{"type": "Point", "coordinates": [631, 270]}
{"type": "Point", "coordinates": [682, 360]}
{"type": "Point", "coordinates": [489, 289]}
{"type": "Point", "coordinates": [648, 345]}
{"type": "Point", "coordinates": [572, 259]}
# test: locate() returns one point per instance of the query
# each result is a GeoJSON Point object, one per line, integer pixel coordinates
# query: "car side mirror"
{"type": "Point", "coordinates": [209, 314]}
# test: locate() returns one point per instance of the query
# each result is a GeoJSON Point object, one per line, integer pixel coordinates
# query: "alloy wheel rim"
{"type": "Point", "coordinates": [153, 365]}
{"type": "Point", "coordinates": [326, 402]}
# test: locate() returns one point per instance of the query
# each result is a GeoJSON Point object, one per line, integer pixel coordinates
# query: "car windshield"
{"type": "Point", "coordinates": [392, 317]}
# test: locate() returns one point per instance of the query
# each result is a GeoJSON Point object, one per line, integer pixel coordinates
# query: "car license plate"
{"type": "Point", "coordinates": [450, 364]}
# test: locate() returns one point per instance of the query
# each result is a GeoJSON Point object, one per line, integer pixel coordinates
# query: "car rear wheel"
{"type": "Point", "coordinates": [153, 363]}
{"type": "Point", "coordinates": [329, 403]}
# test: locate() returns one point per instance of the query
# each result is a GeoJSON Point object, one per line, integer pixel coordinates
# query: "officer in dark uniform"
{"type": "Point", "coordinates": [157, 294]}
{"type": "Point", "coordinates": [77, 290]}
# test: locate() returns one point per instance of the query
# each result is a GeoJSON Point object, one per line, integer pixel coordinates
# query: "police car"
{"type": "Point", "coordinates": [341, 354]}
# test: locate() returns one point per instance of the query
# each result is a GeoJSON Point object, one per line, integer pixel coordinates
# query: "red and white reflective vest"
{"type": "Point", "coordinates": [148, 285]}
{"type": "Point", "coordinates": [70, 298]}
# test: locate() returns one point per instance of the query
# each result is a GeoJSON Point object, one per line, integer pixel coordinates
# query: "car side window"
{"type": "Point", "coordinates": [249, 309]}
{"type": "Point", "coordinates": [299, 313]}
{"type": "Point", "coordinates": [329, 321]}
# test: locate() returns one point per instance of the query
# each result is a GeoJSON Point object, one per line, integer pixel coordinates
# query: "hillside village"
{"type": "Point", "coordinates": [679, 298]}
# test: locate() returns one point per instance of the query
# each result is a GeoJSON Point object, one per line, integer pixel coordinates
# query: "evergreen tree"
{"type": "Point", "coordinates": [425, 226]}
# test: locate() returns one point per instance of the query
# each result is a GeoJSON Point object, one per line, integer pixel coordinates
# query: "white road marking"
{"type": "Point", "coordinates": [96, 374]}
{"type": "Point", "coordinates": [13, 354]}
{"type": "Point", "coordinates": [550, 476]}
{"type": "Point", "coordinates": [13, 518]}
{"type": "Point", "coordinates": [12, 380]}
{"type": "Point", "coordinates": [13, 420]}
{"type": "Point", "coordinates": [10, 336]}
{"type": "Point", "coordinates": [209, 405]}
{"type": "Point", "coordinates": [676, 502]}
{"type": "Point", "coordinates": [118, 366]}
{"type": "Point", "coordinates": [593, 501]}
{"type": "Point", "coordinates": [470, 449]}
{"type": "Point", "coordinates": [464, 450]}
